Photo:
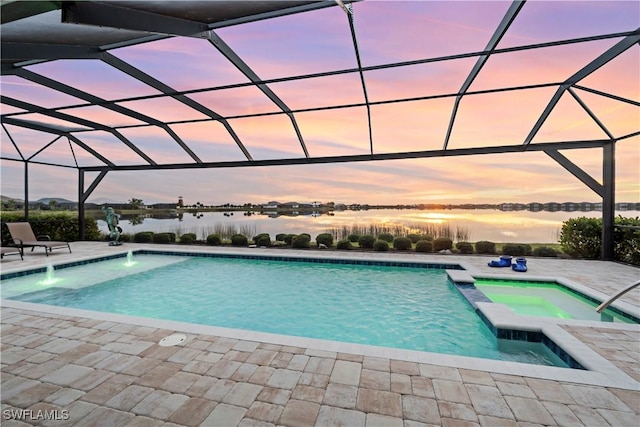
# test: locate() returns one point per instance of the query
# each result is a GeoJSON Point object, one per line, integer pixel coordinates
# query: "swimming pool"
{"type": "Point", "coordinates": [403, 306]}
{"type": "Point", "coordinates": [547, 299]}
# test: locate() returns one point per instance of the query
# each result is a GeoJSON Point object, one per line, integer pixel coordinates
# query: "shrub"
{"type": "Point", "coordinates": [344, 245]}
{"type": "Point", "coordinates": [545, 251]}
{"type": "Point", "coordinates": [259, 236]}
{"type": "Point", "coordinates": [516, 249]}
{"type": "Point", "coordinates": [288, 239]}
{"type": "Point", "coordinates": [427, 237]}
{"type": "Point", "coordinates": [353, 238]}
{"type": "Point", "coordinates": [188, 238]}
{"type": "Point", "coordinates": [485, 247]}
{"type": "Point", "coordinates": [402, 243]}
{"type": "Point", "coordinates": [387, 237]}
{"type": "Point", "coordinates": [61, 226]}
{"type": "Point", "coordinates": [424, 246]}
{"type": "Point", "coordinates": [164, 238]}
{"type": "Point", "coordinates": [301, 241]}
{"type": "Point", "coordinates": [381, 246]}
{"type": "Point", "coordinates": [239, 240]}
{"type": "Point", "coordinates": [366, 241]}
{"type": "Point", "coordinates": [464, 247]}
{"type": "Point", "coordinates": [263, 240]}
{"type": "Point", "coordinates": [143, 237]}
{"type": "Point", "coordinates": [214, 240]}
{"type": "Point", "coordinates": [442, 243]}
{"type": "Point", "coordinates": [325, 239]}
{"type": "Point", "coordinates": [627, 241]}
{"type": "Point", "coordinates": [280, 237]}
{"type": "Point", "coordinates": [414, 238]}
{"type": "Point", "coordinates": [582, 237]}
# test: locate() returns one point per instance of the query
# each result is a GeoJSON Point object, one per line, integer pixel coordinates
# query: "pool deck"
{"type": "Point", "coordinates": [92, 369]}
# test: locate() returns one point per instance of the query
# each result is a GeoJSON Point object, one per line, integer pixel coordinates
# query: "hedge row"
{"type": "Point", "coordinates": [579, 238]}
{"type": "Point", "coordinates": [582, 238]}
{"type": "Point", "coordinates": [62, 226]}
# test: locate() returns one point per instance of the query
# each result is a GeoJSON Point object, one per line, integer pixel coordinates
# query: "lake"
{"type": "Point", "coordinates": [476, 224]}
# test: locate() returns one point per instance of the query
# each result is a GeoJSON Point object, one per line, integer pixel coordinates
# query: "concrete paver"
{"type": "Point", "coordinates": [114, 373]}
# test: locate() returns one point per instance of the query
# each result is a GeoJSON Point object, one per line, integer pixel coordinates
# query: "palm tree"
{"type": "Point", "coordinates": [135, 203]}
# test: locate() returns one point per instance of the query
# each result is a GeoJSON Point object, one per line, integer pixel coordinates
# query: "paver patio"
{"type": "Point", "coordinates": [98, 372]}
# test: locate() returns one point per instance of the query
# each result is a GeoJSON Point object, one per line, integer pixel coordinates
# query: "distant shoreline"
{"type": "Point", "coordinates": [505, 207]}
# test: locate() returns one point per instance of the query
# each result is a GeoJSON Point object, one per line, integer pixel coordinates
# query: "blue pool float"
{"type": "Point", "coordinates": [504, 261]}
{"type": "Point", "coordinates": [520, 265]}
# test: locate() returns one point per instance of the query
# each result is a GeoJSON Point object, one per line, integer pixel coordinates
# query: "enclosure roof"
{"type": "Point", "coordinates": [130, 85]}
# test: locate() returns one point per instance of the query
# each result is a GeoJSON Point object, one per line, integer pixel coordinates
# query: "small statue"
{"type": "Point", "coordinates": [114, 229]}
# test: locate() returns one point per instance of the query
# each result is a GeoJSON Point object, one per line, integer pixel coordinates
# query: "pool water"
{"type": "Point", "coordinates": [400, 307]}
{"type": "Point", "coordinates": [545, 299]}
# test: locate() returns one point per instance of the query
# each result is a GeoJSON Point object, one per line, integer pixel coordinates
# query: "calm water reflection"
{"type": "Point", "coordinates": [481, 224]}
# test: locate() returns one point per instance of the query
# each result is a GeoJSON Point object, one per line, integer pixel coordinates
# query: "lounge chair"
{"type": "Point", "coordinates": [23, 236]}
{"type": "Point", "coordinates": [8, 250]}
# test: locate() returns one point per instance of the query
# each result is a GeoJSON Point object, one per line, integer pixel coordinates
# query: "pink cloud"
{"type": "Point", "coordinates": [335, 132]}
{"type": "Point", "coordinates": [94, 77]}
{"type": "Point", "coordinates": [103, 116]}
{"type": "Point", "coordinates": [195, 63]}
{"type": "Point", "coordinates": [210, 141]}
{"type": "Point", "coordinates": [236, 102]}
{"type": "Point", "coordinates": [549, 65]}
{"type": "Point", "coordinates": [541, 21]}
{"type": "Point", "coordinates": [24, 90]}
{"type": "Point", "coordinates": [398, 31]}
{"type": "Point", "coordinates": [164, 109]}
{"type": "Point", "coordinates": [437, 78]}
{"type": "Point", "coordinates": [295, 44]}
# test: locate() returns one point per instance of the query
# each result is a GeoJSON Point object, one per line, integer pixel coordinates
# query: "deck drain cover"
{"type": "Point", "coordinates": [174, 339]}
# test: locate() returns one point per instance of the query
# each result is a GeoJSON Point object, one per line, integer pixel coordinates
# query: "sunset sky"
{"type": "Point", "coordinates": [320, 41]}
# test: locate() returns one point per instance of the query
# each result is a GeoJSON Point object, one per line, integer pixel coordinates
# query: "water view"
{"type": "Point", "coordinates": [476, 224]}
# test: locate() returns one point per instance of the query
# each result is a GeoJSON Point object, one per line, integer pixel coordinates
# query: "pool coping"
{"type": "Point", "coordinates": [600, 371]}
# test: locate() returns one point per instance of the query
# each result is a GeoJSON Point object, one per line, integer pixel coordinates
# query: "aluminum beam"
{"type": "Point", "coordinates": [80, 121]}
{"type": "Point", "coordinates": [590, 113]}
{"type": "Point", "coordinates": [54, 130]}
{"type": "Point", "coordinates": [164, 26]}
{"type": "Point", "coordinates": [567, 145]}
{"type": "Point", "coordinates": [500, 31]}
{"type": "Point", "coordinates": [42, 127]}
{"type": "Point", "coordinates": [94, 100]}
{"type": "Point", "coordinates": [608, 200]}
{"type": "Point", "coordinates": [608, 95]}
{"type": "Point", "coordinates": [90, 150]}
{"type": "Point", "coordinates": [576, 171]}
{"type": "Point", "coordinates": [591, 67]}
{"type": "Point", "coordinates": [232, 57]}
{"type": "Point", "coordinates": [16, 10]}
{"type": "Point", "coordinates": [43, 148]}
{"type": "Point", "coordinates": [22, 51]}
{"type": "Point", "coordinates": [349, 10]}
{"type": "Point", "coordinates": [169, 91]}
{"type": "Point", "coordinates": [122, 17]}
{"type": "Point", "coordinates": [12, 141]}
{"type": "Point", "coordinates": [83, 195]}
